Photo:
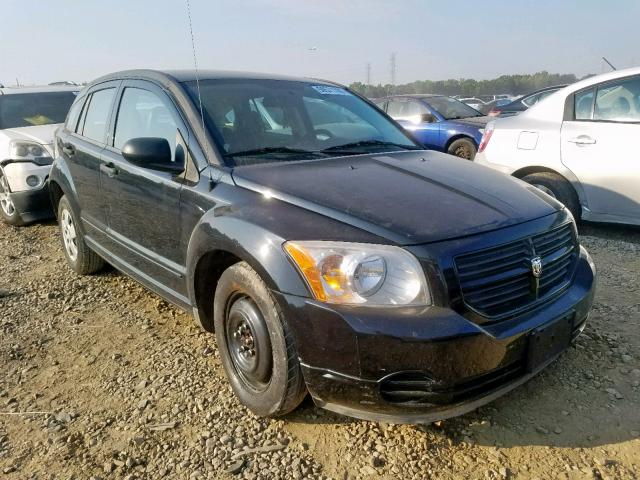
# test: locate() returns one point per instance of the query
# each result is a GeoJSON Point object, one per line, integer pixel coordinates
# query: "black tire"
{"type": "Point", "coordinates": [559, 188]}
{"type": "Point", "coordinates": [266, 377]}
{"type": "Point", "coordinates": [85, 261]}
{"type": "Point", "coordinates": [8, 213]}
{"type": "Point", "coordinates": [463, 148]}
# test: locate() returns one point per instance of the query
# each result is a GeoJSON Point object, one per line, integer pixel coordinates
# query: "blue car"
{"type": "Point", "coordinates": [438, 122]}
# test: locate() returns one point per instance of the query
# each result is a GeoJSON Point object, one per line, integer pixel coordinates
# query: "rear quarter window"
{"type": "Point", "coordinates": [74, 114]}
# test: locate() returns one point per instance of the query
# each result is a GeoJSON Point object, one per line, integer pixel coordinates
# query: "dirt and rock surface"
{"type": "Point", "coordinates": [101, 379]}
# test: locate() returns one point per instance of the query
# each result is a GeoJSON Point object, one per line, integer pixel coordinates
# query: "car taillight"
{"type": "Point", "coordinates": [488, 132]}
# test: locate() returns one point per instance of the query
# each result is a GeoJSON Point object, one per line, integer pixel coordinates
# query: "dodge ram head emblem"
{"type": "Point", "coordinates": [536, 267]}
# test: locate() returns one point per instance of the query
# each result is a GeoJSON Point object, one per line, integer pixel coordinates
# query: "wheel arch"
{"type": "Point", "coordinates": [219, 242]}
{"type": "Point", "coordinates": [571, 178]}
{"type": "Point", "coordinates": [459, 136]}
{"type": "Point", "coordinates": [55, 194]}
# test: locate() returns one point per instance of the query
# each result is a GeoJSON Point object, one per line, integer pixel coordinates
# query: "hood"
{"type": "Point", "coordinates": [474, 121]}
{"type": "Point", "coordinates": [406, 197]}
{"type": "Point", "coordinates": [42, 134]}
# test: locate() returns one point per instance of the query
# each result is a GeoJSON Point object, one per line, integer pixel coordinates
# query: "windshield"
{"type": "Point", "coordinates": [29, 109]}
{"type": "Point", "coordinates": [452, 109]}
{"type": "Point", "coordinates": [260, 121]}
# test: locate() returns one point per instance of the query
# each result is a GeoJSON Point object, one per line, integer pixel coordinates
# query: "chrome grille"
{"type": "Point", "coordinates": [498, 281]}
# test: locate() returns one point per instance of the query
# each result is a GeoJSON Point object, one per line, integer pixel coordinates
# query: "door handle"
{"type": "Point", "coordinates": [69, 149]}
{"type": "Point", "coordinates": [582, 140]}
{"type": "Point", "coordinates": [110, 169]}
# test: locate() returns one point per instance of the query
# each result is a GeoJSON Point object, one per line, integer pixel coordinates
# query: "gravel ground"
{"type": "Point", "coordinates": [101, 379]}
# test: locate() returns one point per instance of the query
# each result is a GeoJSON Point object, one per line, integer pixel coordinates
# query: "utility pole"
{"type": "Point", "coordinates": [366, 88]}
{"type": "Point", "coordinates": [393, 71]}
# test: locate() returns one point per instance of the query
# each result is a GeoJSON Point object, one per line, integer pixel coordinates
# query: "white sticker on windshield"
{"type": "Point", "coordinates": [329, 90]}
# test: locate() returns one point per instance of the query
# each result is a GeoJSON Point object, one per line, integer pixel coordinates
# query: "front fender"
{"type": "Point", "coordinates": [259, 247]}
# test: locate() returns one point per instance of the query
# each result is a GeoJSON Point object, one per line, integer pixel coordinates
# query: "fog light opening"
{"type": "Point", "coordinates": [33, 180]}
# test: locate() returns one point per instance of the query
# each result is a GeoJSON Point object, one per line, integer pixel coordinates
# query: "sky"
{"type": "Point", "coordinates": [44, 41]}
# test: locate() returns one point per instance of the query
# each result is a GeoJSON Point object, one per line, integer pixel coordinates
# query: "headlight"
{"type": "Point", "coordinates": [22, 149]}
{"type": "Point", "coordinates": [25, 150]}
{"type": "Point", "coordinates": [360, 273]}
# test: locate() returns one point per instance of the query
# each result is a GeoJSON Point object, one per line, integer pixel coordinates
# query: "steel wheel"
{"type": "Point", "coordinates": [69, 234]}
{"type": "Point", "coordinates": [249, 344]}
{"type": "Point", "coordinates": [5, 199]}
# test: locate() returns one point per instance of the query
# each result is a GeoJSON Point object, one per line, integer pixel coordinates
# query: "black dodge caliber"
{"type": "Point", "coordinates": [328, 252]}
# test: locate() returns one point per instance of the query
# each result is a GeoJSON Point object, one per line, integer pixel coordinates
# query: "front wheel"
{"type": "Point", "coordinates": [8, 210]}
{"type": "Point", "coordinates": [79, 256]}
{"type": "Point", "coordinates": [463, 148]}
{"type": "Point", "coordinates": [255, 344]}
{"type": "Point", "coordinates": [557, 187]}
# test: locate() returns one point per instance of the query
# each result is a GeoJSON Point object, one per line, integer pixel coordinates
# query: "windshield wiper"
{"type": "Point", "coordinates": [269, 150]}
{"type": "Point", "coordinates": [368, 143]}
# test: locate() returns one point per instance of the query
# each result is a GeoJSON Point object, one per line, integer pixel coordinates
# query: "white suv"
{"type": "Point", "coordinates": [577, 145]}
{"type": "Point", "coordinates": [28, 118]}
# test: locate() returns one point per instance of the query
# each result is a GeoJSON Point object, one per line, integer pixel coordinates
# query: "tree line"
{"type": "Point", "coordinates": [505, 84]}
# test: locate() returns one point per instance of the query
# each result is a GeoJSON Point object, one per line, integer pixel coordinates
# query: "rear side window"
{"type": "Point", "coordinates": [583, 104]}
{"type": "Point", "coordinates": [143, 114]}
{"type": "Point", "coordinates": [97, 114]}
{"type": "Point", "coordinates": [395, 108]}
{"type": "Point", "coordinates": [619, 101]}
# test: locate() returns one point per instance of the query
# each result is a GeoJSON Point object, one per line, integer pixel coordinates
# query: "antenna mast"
{"type": "Point", "coordinates": [195, 62]}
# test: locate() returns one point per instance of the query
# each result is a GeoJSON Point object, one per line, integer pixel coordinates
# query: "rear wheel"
{"type": "Point", "coordinates": [79, 256]}
{"type": "Point", "coordinates": [463, 148]}
{"type": "Point", "coordinates": [256, 346]}
{"type": "Point", "coordinates": [7, 209]}
{"type": "Point", "coordinates": [557, 187]}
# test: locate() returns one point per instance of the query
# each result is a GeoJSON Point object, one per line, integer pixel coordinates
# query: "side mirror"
{"type": "Point", "coordinates": [152, 153]}
{"type": "Point", "coordinates": [428, 118]}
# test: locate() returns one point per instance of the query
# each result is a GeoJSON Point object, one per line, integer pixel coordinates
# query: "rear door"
{"type": "Point", "coordinates": [597, 135]}
{"type": "Point", "coordinates": [82, 143]}
{"type": "Point", "coordinates": [143, 204]}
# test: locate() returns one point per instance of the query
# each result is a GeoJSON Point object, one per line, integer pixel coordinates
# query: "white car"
{"type": "Point", "coordinates": [28, 118]}
{"type": "Point", "coordinates": [577, 145]}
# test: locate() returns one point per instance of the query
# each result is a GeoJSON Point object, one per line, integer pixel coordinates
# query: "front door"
{"type": "Point", "coordinates": [412, 115]}
{"type": "Point", "coordinates": [597, 146]}
{"type": "Point", "coordinates": [143, 205]}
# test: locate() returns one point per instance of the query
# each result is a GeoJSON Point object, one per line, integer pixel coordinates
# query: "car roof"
{"type": "Point", "coordinates": [179, 76]}
{"type": "Point", "coordinates": [42, 89]}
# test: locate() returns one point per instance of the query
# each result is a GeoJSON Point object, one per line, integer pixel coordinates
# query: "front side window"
{"type": "Point", "coordinates": [414, 108]}
{"type": "Point", "coordinates": [259, 121]}
{"type": "Point", "coordinates": [31, 109]}
{"type": "Point", "coordinates": [452, 109]}
{"type": "Point", "coordinates": [619, 101]}
{"type": "Point", "coordinates": [143, 114]}
{"type": "Point", "coordinates": [94, 124]}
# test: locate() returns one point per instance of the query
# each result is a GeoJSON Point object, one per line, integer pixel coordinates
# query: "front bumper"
{"type": "Point", "coordinates": [33, 205]}
{"type": "Point", "coordinates": [365, 362]}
